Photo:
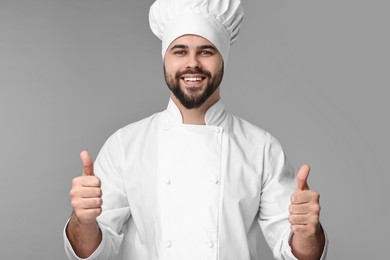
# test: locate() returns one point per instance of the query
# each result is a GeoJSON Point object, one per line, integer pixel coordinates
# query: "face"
{"type": "Point", "coordinates": [193, 70]}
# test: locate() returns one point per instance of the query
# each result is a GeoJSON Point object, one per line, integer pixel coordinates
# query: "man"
{"type": "Point", "coordinates": [194, 181]}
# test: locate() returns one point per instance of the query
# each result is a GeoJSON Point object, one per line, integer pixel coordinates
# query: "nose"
{"type": "Point", "coordinates": [193, 61]}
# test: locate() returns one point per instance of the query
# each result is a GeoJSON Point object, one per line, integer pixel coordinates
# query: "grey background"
{"type": "Point", "coordinates": [313, 73]}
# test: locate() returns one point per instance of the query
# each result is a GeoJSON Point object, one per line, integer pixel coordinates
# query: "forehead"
{"type": "Point", "coordinates": [191, 40]}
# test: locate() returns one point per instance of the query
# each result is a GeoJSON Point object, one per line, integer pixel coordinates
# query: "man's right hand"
{"type": "Point", "coordinates": [86, 195]}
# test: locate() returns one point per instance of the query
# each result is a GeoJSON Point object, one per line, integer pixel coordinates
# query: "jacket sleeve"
{"type": "Point", "coordinates": [116, 210]}
{"type": "Point", "coordinates": [278, 184]}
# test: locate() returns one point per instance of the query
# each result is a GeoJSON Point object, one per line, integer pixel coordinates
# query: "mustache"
{"type": "Point", "coordinates": [193, 71]}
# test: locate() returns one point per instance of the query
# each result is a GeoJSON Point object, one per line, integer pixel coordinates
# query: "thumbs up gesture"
{"type": "Point", "coordinates": [305, 207]}
{"type": "Point", "coordinates": [86, 195]}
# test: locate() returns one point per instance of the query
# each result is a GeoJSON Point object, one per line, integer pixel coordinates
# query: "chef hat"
{"type": "Point", "coordinates": [216, 20]}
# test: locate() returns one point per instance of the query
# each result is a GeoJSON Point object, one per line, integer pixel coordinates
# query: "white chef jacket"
{"type": "Point", "coordinates": [173, 191]}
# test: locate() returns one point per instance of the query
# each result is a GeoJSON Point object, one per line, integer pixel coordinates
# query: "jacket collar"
{"type": "Point", "coordinates": [214, 115]}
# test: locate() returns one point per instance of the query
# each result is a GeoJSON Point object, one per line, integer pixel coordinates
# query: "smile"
{"type": "Point", "coordinates": [193, 79]}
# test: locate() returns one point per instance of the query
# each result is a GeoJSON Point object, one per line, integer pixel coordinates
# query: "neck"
{"type": "Point", "coordinates": [196, 116]}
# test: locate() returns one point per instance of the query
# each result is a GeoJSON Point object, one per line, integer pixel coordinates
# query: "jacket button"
{"type": "Point", "coordinates": [167, 181]}
{"type": "Point", "coordinates": [215, 181]}
{"type": "Point", "coordinates": [210, 244]}
{"type": "Point", "coordinates": [168, 244]}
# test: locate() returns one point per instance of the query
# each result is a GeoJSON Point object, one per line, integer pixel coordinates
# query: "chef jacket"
{"type": "Point", "coordinates": [174, 191]}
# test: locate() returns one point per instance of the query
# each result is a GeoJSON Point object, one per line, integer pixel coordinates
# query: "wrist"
{"type": "Point", "coordinates": [308, 246]}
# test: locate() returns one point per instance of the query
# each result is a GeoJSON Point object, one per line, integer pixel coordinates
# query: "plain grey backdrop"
{"type": "Point", "coordinates": [313, 73]}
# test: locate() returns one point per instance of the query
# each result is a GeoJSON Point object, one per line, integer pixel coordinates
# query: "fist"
{"type": "Point", "coordinates": [86, 195]}
{"type": "Point", "coordinates": [305, 207]}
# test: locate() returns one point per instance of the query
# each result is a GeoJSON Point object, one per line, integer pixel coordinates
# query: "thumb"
{"type": "Point", "coordinates": [87, 163]}
{"type": "Point", "coordinates": [302, 176]}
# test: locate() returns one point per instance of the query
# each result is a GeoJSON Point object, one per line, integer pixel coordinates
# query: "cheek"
{"type": "Point", "coordinates": [171, 67]}
{"type": "Point", "coordinates": [215, 65]}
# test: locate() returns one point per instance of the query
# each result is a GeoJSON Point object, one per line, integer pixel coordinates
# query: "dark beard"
{"type": "Point", "coordinates": [194, 100]}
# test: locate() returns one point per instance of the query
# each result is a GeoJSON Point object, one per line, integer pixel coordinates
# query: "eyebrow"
{"type": "Point", "coordinates": [179, 46]}
{"type": "Point", "coordinates": [201, 47]}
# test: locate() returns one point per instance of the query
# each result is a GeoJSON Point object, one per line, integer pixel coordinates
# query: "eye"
{"type": "Point", "coordinates": [179, 52]}
{"type": "Point", "coordinates": [206, 53]}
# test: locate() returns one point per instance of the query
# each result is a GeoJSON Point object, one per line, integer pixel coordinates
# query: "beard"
{"type": "Point", "coordinates": [196, 97]}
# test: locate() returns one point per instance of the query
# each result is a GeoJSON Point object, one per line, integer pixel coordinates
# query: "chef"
{"type": "Point", "coordinates": [193, 182]}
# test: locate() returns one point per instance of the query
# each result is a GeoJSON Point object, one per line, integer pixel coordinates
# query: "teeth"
{"type": "Point", "coordinates": [193, 79]}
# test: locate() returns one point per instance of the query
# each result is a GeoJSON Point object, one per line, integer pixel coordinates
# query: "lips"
{"type": "Point", "coordinates": [192, 79]}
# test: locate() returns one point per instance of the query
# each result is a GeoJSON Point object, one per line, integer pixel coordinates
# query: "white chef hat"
{"type": "Point", "coordinates": [216, 20]}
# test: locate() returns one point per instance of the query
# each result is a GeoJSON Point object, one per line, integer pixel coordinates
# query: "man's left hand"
{"type": "Point", "coordinates": [305, 207]}
{"type": "Point", "coordinates": [308, 238]}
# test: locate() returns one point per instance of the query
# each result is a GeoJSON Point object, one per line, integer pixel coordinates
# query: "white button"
{"type": "Point", "coordinates": [210, 244]}
{"type": "Point", "coordinates": [217, 130]}
{"type": "Point", "coordinates": [215, 181]}
{"type": "Point", "coordinates": [167, 181]}
{"type": "Point", "coordinates": [168, 244]}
